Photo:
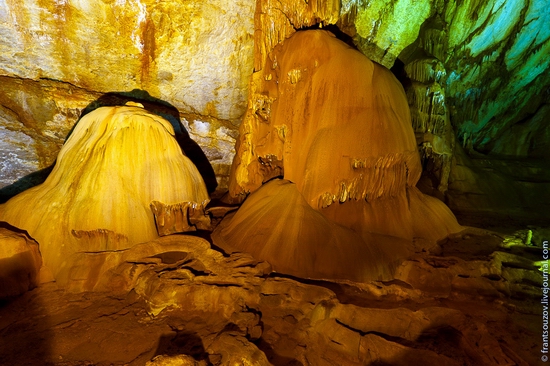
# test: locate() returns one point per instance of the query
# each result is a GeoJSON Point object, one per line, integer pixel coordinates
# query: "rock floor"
{"type": "Point", "coordinates": [475, 302]}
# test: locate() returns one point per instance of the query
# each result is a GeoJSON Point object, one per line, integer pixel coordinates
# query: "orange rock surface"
{"type": "Point", "coordinates": [337, 125]}
{"type": "Point", "coordinates": [277, 225]}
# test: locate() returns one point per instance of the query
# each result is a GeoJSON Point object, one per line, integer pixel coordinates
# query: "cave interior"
{"type": "Point", "coordinates": [309, 183]}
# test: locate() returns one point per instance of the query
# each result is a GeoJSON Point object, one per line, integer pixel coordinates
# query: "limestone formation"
{"type": "Point", "coordinates": [50, 69]}
{"type": "Point", "coordinates": [117, 161]}
{"type": "Point", "coordinates": [431, 123]}
{"type": "Point", "coordinates": [36, 117]}
{"type": "Point", "coordinates": [335, 92]}
{"type": "Point", "coordinates": [175, 50]}
{"type": "Point", "coordinates": [338, 127]}
{"type": "Point", "coordinates": [55, 59]}
{"type": "Point", "coordinates": [277, 225]}
{"type": "Point", "coordinates": [351, 264]}
{"type": "Point", "coordinates": [480, 84]}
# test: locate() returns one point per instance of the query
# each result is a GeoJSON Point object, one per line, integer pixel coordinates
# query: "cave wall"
{"type": "Point", "coordinates": [489, 57]}
{"type": "Point", "coordinates": [475, 72]}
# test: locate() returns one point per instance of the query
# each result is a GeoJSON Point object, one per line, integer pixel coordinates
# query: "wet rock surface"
{"type": "Point", "coordinates": [473, 302]}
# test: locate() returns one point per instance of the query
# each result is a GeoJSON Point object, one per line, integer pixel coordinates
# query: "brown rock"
{"type": "Point", "coordinates": [176, 296]}
{"type": "Point", "coordinates": [20, 261]}
{"type": "Point", "coordinates": [230, 349]}
{"type": "Point", "coordinates": [178, 360]}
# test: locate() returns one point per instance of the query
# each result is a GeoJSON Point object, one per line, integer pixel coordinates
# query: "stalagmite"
{"type": "Point", "coordinates": [338, 127]}
{"type": "Point", "coordinates": [116, 162]}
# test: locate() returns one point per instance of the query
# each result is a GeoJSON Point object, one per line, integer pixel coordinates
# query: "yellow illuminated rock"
{"type": "Point", "coordinates": [114, 164]}
{"type": "Point", "coordinates": [57, 57]}
{"type": "Point", "coordinates": [273, 24]}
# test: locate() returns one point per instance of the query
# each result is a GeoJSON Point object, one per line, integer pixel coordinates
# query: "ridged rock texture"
{"type": "Point", "coordinates": [177, 301]}
{"type": "Point", "coordinates": [276, 224]}
{"type": "Point", "coordinates": [338, 127]}
{"type": "Point", "coordinates": [116, 161]}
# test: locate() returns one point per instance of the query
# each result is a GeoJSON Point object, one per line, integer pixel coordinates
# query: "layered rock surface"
{"type": "Point", "coordinates": [57, 58]}
{"type": "Point", "coordinates": [475, 302]}
{"type": "Point", "coordinates": [175, 50]}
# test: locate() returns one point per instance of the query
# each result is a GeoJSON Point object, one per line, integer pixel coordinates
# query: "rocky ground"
{"type": "Point", "coordinates": [476, 301]}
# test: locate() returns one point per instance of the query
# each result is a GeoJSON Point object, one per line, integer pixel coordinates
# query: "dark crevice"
{"type": "Point", "coordinates": [332, 28]}
{"type": "Point", "coordinates": [398, 70]}
{"type": "Point", "coordinates": [222, 284]}
{"type": "Point", "coordinates": [182, 342]}
{"type": "Point", "coordinates": [274, 357]}
{"type": "Point", "coordinates": [398, 283]}
{"type": "Point", "coordinates": [442, 340]}
{"type": "Point", "coordinates": [64, 82]}
{"type": "Point", "coordinates": [196, 272]}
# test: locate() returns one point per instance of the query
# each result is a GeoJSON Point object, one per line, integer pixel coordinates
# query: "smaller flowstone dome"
{"type": "Point", "coordinates": [98, 196]}
{"type": "Point", "coordinates": [276, 224]}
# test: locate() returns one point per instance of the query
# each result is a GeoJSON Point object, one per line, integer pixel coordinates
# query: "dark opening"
{"type": "Point", "coordinates": [332, 28]}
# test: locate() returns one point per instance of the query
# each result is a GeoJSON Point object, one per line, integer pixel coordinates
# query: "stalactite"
{"type": "Point", "coordinates": [180, 217]}
{"type": "Point", "coordinates": [275, 23]}
{"type": "Point", "coordinates": [434, 41]}
{"type": "Point", "coordinates": [426, 70]}
{"type": "Point", "coordinates": [378, 177]}
{"type": "Point", "coordinates": [99, 239]}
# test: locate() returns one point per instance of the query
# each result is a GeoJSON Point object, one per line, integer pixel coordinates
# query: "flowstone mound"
{"type": "Point", "coordinates": [98, 196]}
{"type": "Point", "coordinates": [300, 241]}
{"type": "Point", "coordinates": [326, 118]}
